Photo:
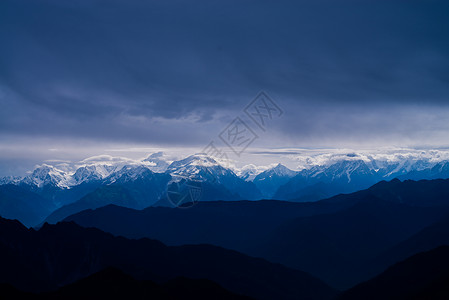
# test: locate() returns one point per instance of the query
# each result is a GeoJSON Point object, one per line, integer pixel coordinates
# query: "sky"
{"type": "Point", "coordinates": [90, 77]}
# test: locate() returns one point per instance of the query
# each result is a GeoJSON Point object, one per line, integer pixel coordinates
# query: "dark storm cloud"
{"type": "Point", "coordinates": [177, 71]}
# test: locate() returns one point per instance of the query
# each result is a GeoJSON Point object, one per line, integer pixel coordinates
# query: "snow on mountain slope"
{"type": "Point", "coordinates": [249, 172]}
{"type": "Point", "coordinates": [269, 181]}
{"type": "Point", "coordinates": [157, 162]}
{"type": "Point", "coordinates": [345, 168]}
{"type": "Point", "coordinates": [200, 167]}
{"type": "Point", "coordinates": [279, 170]}
{"type": "Point", "coordinates": [203, 168]}
{"type": "Point", "coordinates": [48, 175]}
{"type": "Point", "coordinates": [10, 180]}
{"type": "Point", "coordinates": [128, 173]}
{"type": "Point", "coordinates": [93, 172]}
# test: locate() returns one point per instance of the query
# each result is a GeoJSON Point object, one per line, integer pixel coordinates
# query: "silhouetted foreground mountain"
{"type": "Point", "coordinates": [427, 239]}
{"type": "Point", "coordinates": [335, 247]}
{"type": "Point", "coordinates": [231, 224]}
{"type": "Point", "coordinates": [334, 239]}
{"type": "Point", "coordinates": [422, 276]}
{"type": "Point", "coordinates": [60, 254]}
{"type": "Point", "coordinates": [112, 283]}
{"type": "Point", "coordinates": [423, 193]}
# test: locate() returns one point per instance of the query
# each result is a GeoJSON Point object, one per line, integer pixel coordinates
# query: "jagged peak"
{"type": "Point", "coordinates": [155, 156]}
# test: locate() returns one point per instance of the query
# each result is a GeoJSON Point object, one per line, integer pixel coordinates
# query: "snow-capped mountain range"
{"type": "Point", "coordinates": [354, 170]}
{"type": "Point", "coordinates": [103, 180]}
{"type": "Point", "coordinates": [336, 166]}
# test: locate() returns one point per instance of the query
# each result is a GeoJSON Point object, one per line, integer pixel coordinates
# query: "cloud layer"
{"type": "Point", "coordinates": [175, 73]}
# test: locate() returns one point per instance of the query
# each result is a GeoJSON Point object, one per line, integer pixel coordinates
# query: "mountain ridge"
{"type": "Point", "coordinates": [56, 255]}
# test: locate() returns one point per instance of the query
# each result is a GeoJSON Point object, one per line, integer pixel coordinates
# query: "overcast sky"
{"type": "Point", "coordinates": [79, 78]}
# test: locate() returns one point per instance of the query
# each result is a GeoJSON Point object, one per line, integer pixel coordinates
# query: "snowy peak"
{"type": "Point", "coordinates": [341, 167]}
{"type": "Point", "coordinates": [270, 180]}
{"type": "Point", "coordinates": [348, 167]}
{"type": "Point", "coordinates": [278, 171]}
{"type": "Point", "coordinates": [92, 173]}
{"type": "Point", "coordinates": [200, 167]}
{"type": "Point", "coordinates": [281, 170]}
{"type": "Point", "coordinates": [156, 162]}
{"type": "Point", "coordinates": [196, 159]}
{"type": "Point", "coordinates": [406, 166]}
{"type": "Point", "coordinates": [129, 173]}
{"type": "Point", "coordinates": [48, 175]}
{"type": "Point", "coordinates": [193, 162]}
{"type": "Point", "coordinates": [249, 172]}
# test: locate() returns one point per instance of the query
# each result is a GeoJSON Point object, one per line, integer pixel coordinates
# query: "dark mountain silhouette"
{"type": "Point", "coordinates": [429, 238]}
{"type": "Point", "coordinates": [57, 255]}
{"type": "Point", "coordinates": [422, 276]}
{"type": "Point", "coordinates": [332, 239]}
{"type": "Point", "coordinates": [32, 204]}
{"type": "Point", "coordinates": [8, 292]}
{"type": "Point", "coordinates": [111, 283]}
{"type": "Point", "coordinates": [237, 225]}
{"type": "Point", "coordinates": [333, 246]}
{"type": "Point", "coordinates": [350, 241]}
{"type": "Point", "coordinates": [209, 191]}
{"type": "Point", "coordinates": [422, 193]}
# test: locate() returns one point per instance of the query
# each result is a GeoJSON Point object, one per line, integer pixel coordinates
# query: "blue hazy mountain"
{"type": "Point", "coordinates": [353, 174]}
{"type": "Point", "coordinates": [428, 238]}
{"type": "Point", "coordinates": [330, 239]}
{"type": "Point", "coordinates": [19, 203]}
{"type": "Point", "coordinates": [422, 276]}
{"type": "Point", "coordinates": [144, 186]}
{"type": "Point", "coordinates": [149, 180]}
{"type": "Point", "coordinates": [132, 186]}
{"type": "Point", "coordinates": [136, 186]}
{"type": "Point", "coordinates": [438, 171]}
{"type": "Point", "coordinates": [104, 195]}
{"type": "Point", "coordinates": [269, 181]}
{"type": "Point", "coordinates": [321, 182]}
{"type": "Point", "coordinates": [334, 246]}
{"type": "Point", "coordinates": [57, 187]}
{"type": "Point", "coordinates": [207, 170]}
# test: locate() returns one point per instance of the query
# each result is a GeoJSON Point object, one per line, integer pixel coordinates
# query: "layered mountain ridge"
{"type": "Point", "coordinates": [148, 182]}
